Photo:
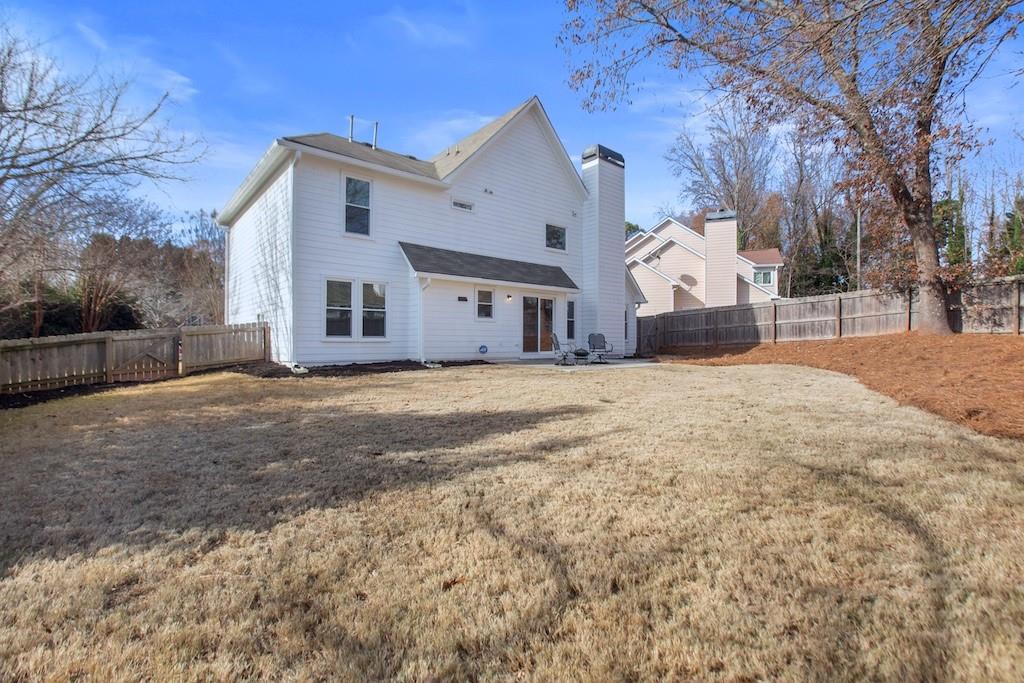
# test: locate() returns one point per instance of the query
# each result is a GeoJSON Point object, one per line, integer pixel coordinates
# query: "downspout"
{"type": "Point", "coordinates": [419, 323]}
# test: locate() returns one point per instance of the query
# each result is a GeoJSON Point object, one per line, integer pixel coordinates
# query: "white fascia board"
{"type": "Point", "coordinates": [673, 240]}
{"type": "Point", "coordinates": [496, 283]}
{"type": "Point", "coordinates": [636, 288]}
{"type": "Point", "coordinates": [359, 163]}
{"type": "Point", "coordinates": [754, 284]}
{"type": "Point", "coordinates": [687, 228]}
{"type": "Point", "coordinates": [271, 161]}
{"type": "Point", "coordinates": [661, 240]}
{"type": "Point", "coordinates": [654, 270]}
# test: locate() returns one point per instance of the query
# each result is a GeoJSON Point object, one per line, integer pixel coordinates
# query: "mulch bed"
{"type": "Point", "coordinates": [262, 370]}
{"type": "Point", "coordinates": [974, 379]}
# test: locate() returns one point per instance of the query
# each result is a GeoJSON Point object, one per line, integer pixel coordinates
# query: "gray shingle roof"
{"type": "Point", "coordinates": [364, 152]}
{"type": "Point", "coordinates": [437, 168]}
{"type": "Point", "coordinates": [461, 264]}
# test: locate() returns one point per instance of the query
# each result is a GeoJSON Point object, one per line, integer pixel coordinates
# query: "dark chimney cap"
{"type": "Point", "coordinates": [602, 152]}
{"type": "Point", "coordinates": [720, 215]}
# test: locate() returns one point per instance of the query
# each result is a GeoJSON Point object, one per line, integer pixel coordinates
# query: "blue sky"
{"type": "Point", "coordinates": [240, 75]}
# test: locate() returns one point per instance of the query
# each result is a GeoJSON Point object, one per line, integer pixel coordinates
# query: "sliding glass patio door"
{"type": "Point", "coordinates": [538, 322]}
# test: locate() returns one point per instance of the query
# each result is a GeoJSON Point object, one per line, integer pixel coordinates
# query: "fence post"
{"type": "Point", "coordinates": [266, 342]}
{"type": "Point", "coordinates": [108, 361]}
{"type": "Point", "coordinates": [910, 307]}
{"type": "Point", "coordinates": [839, 316]}
{"type": "Point", "coordinates": [775, 322]}
{"type": "Point", "coordinates": [182, 352]}
{"type": "Point", "coordinates": [1017, 291]}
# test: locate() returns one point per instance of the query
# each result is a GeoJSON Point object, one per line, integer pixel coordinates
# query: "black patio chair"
{"type": "Point", "coordinates": [599, 347]}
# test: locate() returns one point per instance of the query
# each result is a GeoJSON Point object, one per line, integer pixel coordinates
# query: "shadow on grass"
{"type": "Point", "coordinates": [245, 467]}
{"type": "Point", "coordinates": [870, 494]}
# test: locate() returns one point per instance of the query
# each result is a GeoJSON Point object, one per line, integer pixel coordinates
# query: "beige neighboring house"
{"type": "Point", "coordinates": [679, 268]}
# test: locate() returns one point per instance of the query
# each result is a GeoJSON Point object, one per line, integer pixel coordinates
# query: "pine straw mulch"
{"type": "Point", "coordinates": [974, 379]}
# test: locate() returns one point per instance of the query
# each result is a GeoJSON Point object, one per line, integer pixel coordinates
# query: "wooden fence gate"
{"type": "Point", "coordinates": [127, 356]}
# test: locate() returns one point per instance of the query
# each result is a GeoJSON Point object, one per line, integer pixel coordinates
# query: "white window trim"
{"type": "Point", "coordinates": [344, 203]}
{"type": "Point", "coordinates": [554, 249]}
{"type": "Point", "coordinates": [476, 304]}
{"type": "Point", "coordinates": [472, 205]}
{"type": "Point", "coordinates": [351, 308]}
{"type": "Point", "coordinates": [387, 297]}
{"type": "Point", "coordinates": [357, 310]}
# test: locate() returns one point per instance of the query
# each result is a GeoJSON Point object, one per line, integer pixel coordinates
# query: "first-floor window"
{"type": "Point", "coordinates": [374, 310]}
{"type": "Point", "coordinates": [570, 319]}
{"type": "Point", "coordinates": [339, 308]}
{"type": "Point", "coordinates": [485, 304]}
{"type": "Point", "coordinates": [762, 277]}
{"type": "Point", "coordinates": [625, 315]}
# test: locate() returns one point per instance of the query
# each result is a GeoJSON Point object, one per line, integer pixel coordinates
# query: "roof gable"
{"type": "Point", "coordinates": [456, 157]}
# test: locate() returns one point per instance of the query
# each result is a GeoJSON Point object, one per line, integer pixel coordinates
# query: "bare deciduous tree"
{"type": "Point", "coordinates": [731, 171]}
{"type": "Point", "coordinates": [883, 79]}
{"type": "Point", "coordinates": [65, 139]}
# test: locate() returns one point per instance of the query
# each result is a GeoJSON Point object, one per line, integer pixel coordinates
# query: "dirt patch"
{"type": "Point", "coordinates": [976, 380]}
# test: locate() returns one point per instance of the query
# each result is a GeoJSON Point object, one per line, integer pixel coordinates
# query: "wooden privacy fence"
{"type": "Point", "coordinates": [989, 307]}
{"type": "Point", "coordinates": [127, 356]}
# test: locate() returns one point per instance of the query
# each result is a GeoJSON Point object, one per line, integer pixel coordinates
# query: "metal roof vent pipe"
{"type": "Point", "coordinates": [351, 126]}
{"type": "Point", "coordinates": [376, 124]}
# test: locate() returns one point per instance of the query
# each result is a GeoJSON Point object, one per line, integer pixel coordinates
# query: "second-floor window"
{"type": "Point", "coordinates": [357, 206]}
{"type": "Point", "coordinates": [555, 237]}
{"type": "Point", "coordinates": [762, 277]}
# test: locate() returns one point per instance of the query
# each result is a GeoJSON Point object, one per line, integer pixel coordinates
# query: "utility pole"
{"type": "Point", "coordinates": [858, 248]}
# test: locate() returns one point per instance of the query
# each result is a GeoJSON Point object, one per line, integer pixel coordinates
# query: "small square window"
{"type": "Point", "coordinates": [555, 237]}
{"type": "Point", "coordinates": [485, 304]}
{"type": "Point", "coordinates": [763, 277]}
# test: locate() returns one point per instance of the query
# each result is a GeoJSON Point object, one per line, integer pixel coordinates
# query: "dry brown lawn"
{"type": "Point", "coordinates": [671, 521]}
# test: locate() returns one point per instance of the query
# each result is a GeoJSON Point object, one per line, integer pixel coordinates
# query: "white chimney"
{"type": "Point", "coordinates": [720, 259]}
{"type": "Point", "coordinates": [603, 302]}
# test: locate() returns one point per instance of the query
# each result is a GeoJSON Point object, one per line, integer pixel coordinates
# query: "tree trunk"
{"type": "Point", "coordinates": [933, 316]}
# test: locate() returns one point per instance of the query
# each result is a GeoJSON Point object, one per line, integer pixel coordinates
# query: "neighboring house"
{"type": "Point", "coordinates": [354, 253]}
{"type": "Point", "coordinates": [678, 268]}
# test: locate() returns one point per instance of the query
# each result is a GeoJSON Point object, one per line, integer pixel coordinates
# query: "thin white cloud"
{"type": "Point", "coordinates": [246, 79]}
{"type": "Point", "coordinates": [434, 135]}
{"type": "Point", "coordinates": [432, 30]}
{"type": "Point", "coordinates": [92, 36]}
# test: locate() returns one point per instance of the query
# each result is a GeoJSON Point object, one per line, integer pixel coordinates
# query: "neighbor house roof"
{"type": "Point", "coordinates": [762, 257]}
{"type": "Point", "coordinates": [434, 261]}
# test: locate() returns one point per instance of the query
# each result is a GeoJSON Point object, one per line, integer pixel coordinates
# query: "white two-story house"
{"type": "Point", "coordinates": [354, 253]}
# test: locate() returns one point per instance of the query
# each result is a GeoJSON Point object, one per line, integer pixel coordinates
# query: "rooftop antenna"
{"type": "Point", "coordinates": [376, 124]}
{"type": "Point", "coordinates": [351, 126]}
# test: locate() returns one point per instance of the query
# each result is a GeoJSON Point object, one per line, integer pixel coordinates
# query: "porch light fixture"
{"type": "Point", "coordinates": [508, 298]}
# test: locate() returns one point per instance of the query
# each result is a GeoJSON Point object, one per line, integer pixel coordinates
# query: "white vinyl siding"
{"type": "Point", "coordinates": [517, 186]}
{"type": "Point", "coordinates": [485, 304]}
{"type": "Point", "coordinates": [259, 265]}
